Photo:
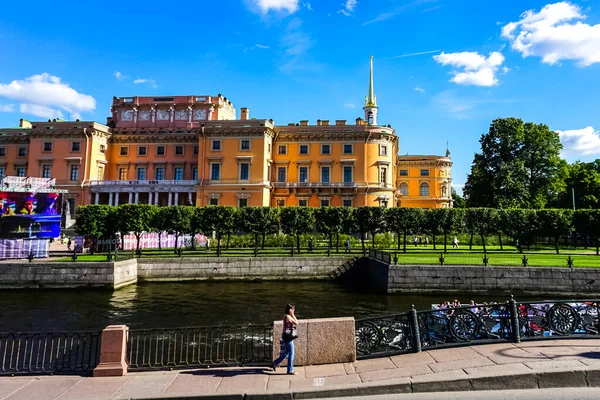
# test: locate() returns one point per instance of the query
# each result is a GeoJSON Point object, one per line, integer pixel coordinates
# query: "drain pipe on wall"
{"type": "Point", "coordinates": [203, 167]}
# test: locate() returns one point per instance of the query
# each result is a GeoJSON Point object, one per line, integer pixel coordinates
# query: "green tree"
{"type": "Point", "coordinates": [519, 166]}
{"type": "Point", "coordinates": [179, 221]}
{"type": "Point", "coordinates": [369, 220]}
{"type": "Point", "coordinates": [481, 222]}
{"type": "Point", "coordinates": [91, 222]}
{"type": "Point", "coordinates": [403, 221]}
{"type": "Point", "coordinates": [220, 219]}
{"type": "Point", "coordinates": [459, 201]}
{"type": "Point", "coordinates": [258, 221]}
{"type": "Point", "coordinates": [330, 221]}
{"type": "Point", "coordinates": [450, 220]}
{"type": "Point", "coordinates": [136, 219]}
{"type": "Point", "coordinates": [432, 223]}
{"type": "Point", "coordinates": [555, 223]}
{"type": "Point", "coordinates": [160, 223]}
{"type": "Point", "coordinates": [583, 181]}
{"type": "Point", "coordinates": [587, 222]}
{"type": "Point", "coordinates": [295, 221]}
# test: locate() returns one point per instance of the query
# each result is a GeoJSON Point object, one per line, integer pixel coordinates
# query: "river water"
{"type": "Point", "coordinates": [169, 305]}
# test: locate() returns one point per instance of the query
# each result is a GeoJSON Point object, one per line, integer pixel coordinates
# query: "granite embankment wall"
{"type": "Point", "coordinates": [115, 275]}
{"type": "Point", "coordinates": [487, 280]}
{"type": "Point", "coordinates": [68, 275]}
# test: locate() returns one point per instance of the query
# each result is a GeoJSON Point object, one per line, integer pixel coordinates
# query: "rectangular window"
{"type": "Point", "coordinates": [178, 173]}
{"type": "Point", "coordinates": [324, 203]}
{"type": "Point", "coordinates": [103, 149]}
{"type": "Point", "coordinates": [282, 149]}
{"type": "Point", "coordinates": [122, 174]}
{"type": "Point", "coordinates": [280, 203]}
{"type": "Point", "coordinates": [141, 174]}
{"type": "Point", "coordinates": [383, 177]}
{"type": "Point", "coordinates": [424, 172]}
{"type": "Point", "coordinates": [348, 149]}
{"type": "Point", "coordinates": [403, 172]}
{"type": "Point", "coordinates": [46, 171]}
{"type": "Point", "coordinates": [178, 150]}
{"type": "Point", "coordinates": [47, 146]}
{"type": "Point", "coordinates": [303, 149]}
{"type": "Point", "coordinates": [160, 150]}
{"type": "Point", "coordinates": [424, 189]}
{"type": "Point", "coordinates": [21, 172]}
{"type": "Point", "coordinates": [215, 171]}
{"type": "Point", "coordinates": [244, 144]}
{"type": "Point", "coordinates": [347, 174]}
{"type": "Point", "coordinates": [281, 174]}
{"type": "Point", "coordinates": [303, 203]}
{"type": "Point", "coordinates": [195, 149]}
{"type": "Point", "coordinates": [383, 150]}
{"type": "Point", "coordinates": [124, 151]}
{"type": "Point", "coordinates": [74, 175]}
{"type": "Point", "coordinates": [160, 174]}
{"type": "Point", "coordinates": [244, 171]}
{"type": "Point", "coordinates": [195, 173]}
{"type": "Point", "coordinates": [215, 145]}
{"type": "Point", "coordinates": [142, 150]}
{"type": "Point", "coordinates": [303, 174]}
{"type": "Point", "coordinates": [2, 151]}
{"type": "Point", "coordinates": [325, 174]}
{"type": "Point", "coordinates": [347, 203]}
{"type": "Point", "coordinates": [242, 203]}
{"type": "Point", "coordinates": [22, 151]}
{"type": "Point", "coordinates": [2, 172]}
{"type": "Point", "coordinates": [213, 202]}
{"type": "Point", "coordinates": [75, 146]}
{"type": "Point", "coordinates": [325, 149]}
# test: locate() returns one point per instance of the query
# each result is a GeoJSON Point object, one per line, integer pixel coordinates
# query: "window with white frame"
{"type": "Point", "coordinates": [142, 150]}
{"type": "Point", "coordinates": [245, 144]}
{"type": "Point", "coordinates": [20, 172]}
{"type": "Point", "coordinates": [282, 149]}
{"type": "Point", "coordinates": [22, 152]}
{"type": "Point", "coordinates": [195, 149]}
{"type": "Point", "coordinates": [215, 171]}
{"type": "Point", "coordinates": [46, 171]}
{"type": "Point", "coordinates": [178, 150]}
{"type": "Point", "coordinates": [160, 174]}
{"type": "Point", "coordinates": [324, 203]}
{"type": "Point", "coordinates": [2, 172]}
{"type": "Point", "coordinates": [122, 174]}
{"type": "Point", "coordinates": [424, 189]}
{"type": "Point", "coordinates": [347, 203]}
{"type": "Point", "coordinates": [347, 173]}
{"type": "Point", "coordinates": [74, 172]}
{"type": "Point", "coordinates": [348, 149]}
{"type": "Point", "coordinates": [195, 173]}
{"type": "Point", "coordinates": [325, 174]}
{"type": "Point", "coordinates": [242, 203]}
{"type": "Point", "coordinates": [213, 202]}
{"type": "Point", "coordinates": [47, 146]}
{"type": "Point", "coordinates": [303, 174]}
{"type": "Point", "coordinates": [404, 189]}
{"type": "Point", "coordinates": [280, 203]}
{"type": "Point", "coordinates": [383, 175]}
{"type": "Point", "coordinates": [303, 203]}
{"type": "Point", "coordinates": [325, 149]}
{"type": "Point", "coordinates": [75, 147]}
{"type": "Point", "coordinates": [424, 172]}
{"type": "Point", "coordinates": [178, 173]}
{"type": "Point", "coordinates": [303, 149]}
{"type": "Point", "coordinates": [244, 171]}
{"type": "Point", "coordinates": [215, 145]}
{"type": "Point", "coordinates": [141, 174]}
{"type": "Point", "coordinates": [383, 150]}
{"type": "Point", "coordinates": [403, 172]}
{"type": "Point", "coordinates": [160, 150]}
{"type": "Point", "coordinates": [2, 151]}
{"type": "Point", "coordinates": [281, 174]}
{"type": "Point", "coordinates": [124, 151]}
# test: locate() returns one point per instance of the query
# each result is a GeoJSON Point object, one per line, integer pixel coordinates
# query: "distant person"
{"type": "Point", "coordinates": [288, 335]}
{"type": "Point", "coordinates": [415, 241]}
{"type": "Point", "coordinates": [455, 243]}
{"type": "Point", "coordinates": [310, 245]}
{"type": "Point", "coordinates": [517, 244]}
{"type": "Point", "coordinates": [347, 244]}
{"type": "Point", "coordinates": [420, 240]}
{"type": "Point", "coordinates": [426, 241]}
{"type": "Point", "coordinates": [69, 244]}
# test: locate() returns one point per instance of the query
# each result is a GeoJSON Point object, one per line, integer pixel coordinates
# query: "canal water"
{"type": "Point", "coordinates": [169, 305]}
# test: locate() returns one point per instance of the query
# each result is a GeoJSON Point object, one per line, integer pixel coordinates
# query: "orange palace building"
{"type": "Point", "coordinates": [193, 150]}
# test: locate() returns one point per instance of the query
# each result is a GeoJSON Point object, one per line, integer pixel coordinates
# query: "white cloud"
{"type": "Point", "coordinates": [584, 141]}
{"type": "Point", "coordinates": [296, 43]}
{"type": "Point", "coordinates": [7, 107]}
{"type": "Point", "coordinates": [416, 54]}
{"type": "Point", "coordinates": [151, 82]}
{"type": "Point", "coordinates": [348, 8]}
{"type": "Point", "coordinates": [349, 105]}
{"type": "Point", "coordinates": [120, 76]}
{"type": "Point", "coordinates": [463, 107]}
{"type": "Point", "coordinates": [45, 94]}
{"type": "Point", "coordinates": [419, 89]}
{"type": "Point", "coordinates": [261, 46]}
{"type": "Point", "coordinates": [265, 6]}
{"type": "Point", "coordinates": [476, 69]}
{"type": "Point", "coordinates": [404, 8]}
{"type": "Point", "coordinates": [553, 35]}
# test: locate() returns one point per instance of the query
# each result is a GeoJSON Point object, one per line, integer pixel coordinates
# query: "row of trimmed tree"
{"type": "Point", "coordinates": [523, 225]}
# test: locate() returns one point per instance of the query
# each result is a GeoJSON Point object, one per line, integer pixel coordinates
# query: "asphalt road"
{"type": "Point", "coordinates": [531, 394]}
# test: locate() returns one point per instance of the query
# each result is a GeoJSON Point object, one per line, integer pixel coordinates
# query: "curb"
{"type": "Point", "coordinates": [534, 380]}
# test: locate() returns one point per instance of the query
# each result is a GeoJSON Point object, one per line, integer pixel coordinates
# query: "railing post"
{"type": "Point", "coordinates": [113, 352]}
{"type": "Point", "coordinates": [416, 335]}
{"type": "Point", "coordinates": [514, 319]}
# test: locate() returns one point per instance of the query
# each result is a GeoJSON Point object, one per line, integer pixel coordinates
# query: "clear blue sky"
{"type": "Point", "coordinates": [295, 59]}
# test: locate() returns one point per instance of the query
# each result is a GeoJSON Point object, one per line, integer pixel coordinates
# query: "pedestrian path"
{"type": "Point", "coordinates": [539, 364]}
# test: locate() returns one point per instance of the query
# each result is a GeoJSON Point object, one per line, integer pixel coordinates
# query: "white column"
{"type": "Point", "coordinates": [110, 199]}
{"type": "Point", "coordinates": [130, 198]}
{"type": "Point", "coordinates": [137, 197]}
{"type": "Point", "coordinates": [117, 199]}
{"type": "Point", "coordinates": [176, 198]}
{"type": "Point", "coordinates": [190, 199]}
{"type": "Point", "coordinates": [170, 198]}
{"type": "Point", "coordinates": [149, 197]}
{"type": "Point", "coordinates": [156, 198]}
{"type": "Point", "coordinates": [97, 198]}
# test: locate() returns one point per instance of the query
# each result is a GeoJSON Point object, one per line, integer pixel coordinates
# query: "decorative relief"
{"type": "Point", "coordinates": [126, 115]}
{"type": "Point", "coordinates": [181, 115]}
{"type": "Point", "coordinates": [162, 115]}
{"type": "Point", "coordinates": [200, 114]}
{"type": "Point", "coordinates": [144, 115]}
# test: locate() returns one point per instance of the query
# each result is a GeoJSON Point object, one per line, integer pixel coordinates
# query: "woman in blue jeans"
{"type": "Point", "coordinates": [288, 335]}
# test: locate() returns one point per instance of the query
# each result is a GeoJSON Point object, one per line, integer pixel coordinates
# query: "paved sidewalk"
{"type": "Point", "coordinates": [540, 364]}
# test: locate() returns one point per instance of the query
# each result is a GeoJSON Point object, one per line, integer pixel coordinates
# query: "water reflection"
{"type": "Point", "coordinates": [197, 304]}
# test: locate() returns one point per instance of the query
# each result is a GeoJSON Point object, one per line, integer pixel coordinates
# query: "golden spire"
{"type": "Point", "coordinates": [371, 98]}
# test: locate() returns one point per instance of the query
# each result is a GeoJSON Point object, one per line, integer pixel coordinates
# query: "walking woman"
{"type": "Point", "coordinates": [287, 340]}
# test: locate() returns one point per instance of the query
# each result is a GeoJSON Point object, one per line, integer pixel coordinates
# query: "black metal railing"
{"type": "Point", "coordinates": [380, 255]}
{"type": "Point", "coordinates": [49, 352]}
{"type": "Point", "coordinates": [200, 347]}
{"type": "Point", "coordinates": [482, 323]}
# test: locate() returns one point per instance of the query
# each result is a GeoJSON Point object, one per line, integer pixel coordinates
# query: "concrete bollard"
{"type": "Point", "coordinates": [113, 351]}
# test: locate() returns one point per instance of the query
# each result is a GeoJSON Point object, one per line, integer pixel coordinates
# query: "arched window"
{"type": "Point", "coordinates": [404, 189]}
{"type": "Point", "coordinates": [424, 189]}
{"type": "Point", "coordinates": [444, 190]}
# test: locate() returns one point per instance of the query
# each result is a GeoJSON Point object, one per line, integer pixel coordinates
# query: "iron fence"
{"type": "Point", "coordinates": [476, 324]}
{"type": "Point", "coordinates": [200, 347]}
{"type": "Point", "coordinates": [49, 352]}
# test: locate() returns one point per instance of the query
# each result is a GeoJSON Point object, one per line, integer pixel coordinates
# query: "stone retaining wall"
{"type": "Point", "coordinates": [236, 268]}
{"type": "Point", "coordinates": [493, 280]}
